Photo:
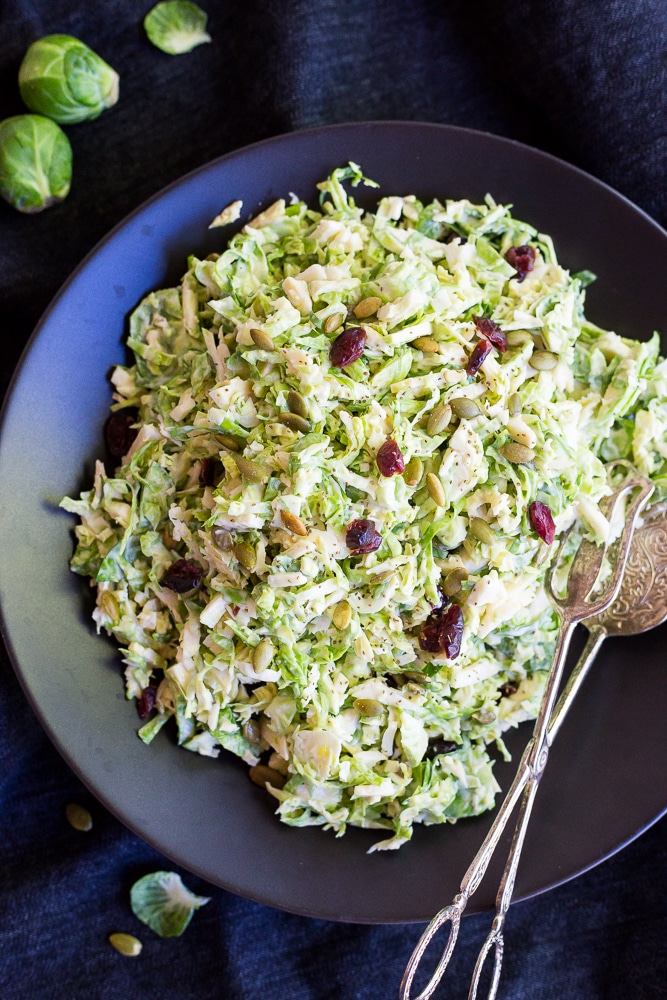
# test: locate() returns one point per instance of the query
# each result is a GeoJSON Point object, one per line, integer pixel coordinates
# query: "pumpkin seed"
{"type": "Point", "coordinates": [278, 763]}
{"type": "Point", "coordinates": [262, 654]}
{"type": "Point", "coordinates": [368, 706]}
{"type": "Point", "coordinates": [485, 718]}
{"type": "Point", "coordinates": [126, 944]}
{"type": "Point", "coordinates": [517, 338]}
{"type": "Point", "coordinates": [543, 361]}
{"type": "Point", "coordinates": [481, 530]}
{"type": "Point", "coordinates": [293, 522]}
{"type": "Point", "coordinates": [263, 775]}
{"type": "Point", "coordinates": [413, 471]}
{"type": "Point", "coordinates": [435, 488]}
{"type": "Point", "coordinates": [222, 539]}
{"type": "Point", "coordinates": [110, 605]}
{"type": "Point", "coordinates": [439, 419]}
{"type": "Point", "coordinates": [517, 453]}
{"type": "Point", "coordinates": [228, 442]}
{"type": "Point", "coordinates": [452, 583]}
{"type": "Point", "coordinates": [426, 344]}
{"type": "Point", "coordinates": [296, 403]}
{"type": "Point", "coordinates": [332, 322]}
{"type": "Point", "coordinates": [342, 615]}
{"type": "Point", "coordinates": [246, 555]}
{"type": "Point", "coordinates": [295, 422]}
{"type": "Point", "coordinates": [464, 408]}
{"type": "Point", "coordinates": [262, 340]}
{"type": "Point", "coordinates": [367, 307]}
{"type": "Point", "coordinates": [514, 404]}
{"type": "Point", "coordinates": [252, 731]}
{"type": "Point", "coordinates": [78, 817]}
{"type": "Point", "coordinates": [251, 471]}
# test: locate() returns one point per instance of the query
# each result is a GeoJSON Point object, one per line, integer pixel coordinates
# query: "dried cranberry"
{"type": "Point", "coordinates": [508, 689]}
{"type": "Point", "coordinates": [478, 357]}
{"type": "Point", "coordinates": [522, 258]}
{"type": "Point", "coordinates": [362, 537]}
{"type": "Point", "coordinates": [489, 328]}
{"type": "Point", "coordinates": [348, 347]}
{"type": "Point", "coordinates": [119, 432]}
{"type": "Point", "coordinates": [438, 746]}
{"type": "Point", "coordinates": [390, 459]}
{"type": "Point", "coordinates": [182, 576]}
{"type": "Point", "coordinates": [209, 471]}
{"type": "Point", "coordinates": [146, 701]}
{"type": "Point", "coordinates": [443, 632]}
{"type": "Point", "coordinates": [541, 520]}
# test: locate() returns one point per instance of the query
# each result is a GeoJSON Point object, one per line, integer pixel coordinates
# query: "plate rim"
{"type": "Point", "coordinates": [92, 254]}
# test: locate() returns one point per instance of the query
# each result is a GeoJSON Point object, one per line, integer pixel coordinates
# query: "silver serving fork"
{"type": "Point", "coordinates": [578, 605]}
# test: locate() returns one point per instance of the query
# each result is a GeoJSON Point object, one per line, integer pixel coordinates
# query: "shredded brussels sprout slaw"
{"type": "Point", "coordinates": [222, 547]}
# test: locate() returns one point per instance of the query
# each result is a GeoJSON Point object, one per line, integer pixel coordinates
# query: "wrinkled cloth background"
{"type": "Point", "coordinates": [583, 80]}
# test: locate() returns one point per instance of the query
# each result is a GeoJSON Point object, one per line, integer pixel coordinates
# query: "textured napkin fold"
{"type": "Point", "coordinates": [582, 80]}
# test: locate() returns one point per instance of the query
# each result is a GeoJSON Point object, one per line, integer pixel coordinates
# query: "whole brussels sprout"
{"type": "Point", "coordinates": [35, 162]}
{"type": "Point", "coordinates": [62, 78]}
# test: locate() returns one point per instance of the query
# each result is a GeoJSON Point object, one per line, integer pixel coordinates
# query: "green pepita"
{"type": "Point", "coordinates": [439, 419]}
{"type": "Point", "coordinates": [367, 307]}
{"type": "Point", "coordinates": [251, 471]}
{"type": "Point", "coordinates": [517, 454]}
{"type": "Point", "coordinates": [262, 655]}
{"type": "Point", "coordinates": [481, 530]}
{"type": "Point", "coordinates": [252, 731]}
{"type": "Point", "coordinates": [332, 322]}
{"type": "Point", "coordinates": [78, 817]}
{"type": "Point", "coordinates": [297, 404]}
{"type": "Point", "coordinates": [543, 361]}
{"type": "Point", "coordinates": [514, 404]}
{"type": "Point", "coordinates": [453, 581]}
{"type": "Point", "coordinates": [368, 706]}
{"type": "Point", "coordinates": [295, 422]}
{"type": "Point", "coordinates": [435, 488]}
{"type": "Point", "coordinates": [222, 539]}
{"type": "Point", "coordinates": [110, 605]}
{"type": "Point", "coordinates": [342, 615]}
{"type": "Point", "coordinates": [246, 555]}
{"type": "Point", "coordinates": [464, 408]}
{"type": "Point", "coordinates": [263, 775]}
{"type": "Point", "coordinates": [126, 944]}
{"type": "Point", "coordinates": [517, 338]}
{"type": "Point", "coordinates": [228, 442]}
{"type": "Point", "coordinates": [293, 522]}
{"type": "Point", "coordinates": [426, 344]}
{"type": "Point", "coordinates": [262, 340]}
{"type": "Point", "coordinates": [485, 718]}
{"type": "Point", "coordinates": [413, 471]}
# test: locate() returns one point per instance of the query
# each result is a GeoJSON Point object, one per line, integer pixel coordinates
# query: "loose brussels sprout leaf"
{"type": "Point", "coordinates": [62, 78]}
{"type": "Point", "coordinates": [176, 26]}
{"type": "Point", "coordinates": [35, 162]}
{"type": "Point", "coordinates": [163, 903]}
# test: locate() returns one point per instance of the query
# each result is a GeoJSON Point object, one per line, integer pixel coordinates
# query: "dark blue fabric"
{"type": "Point", "coordinates": [583, 80]}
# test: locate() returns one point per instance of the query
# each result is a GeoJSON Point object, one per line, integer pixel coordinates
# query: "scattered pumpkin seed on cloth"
{"type": "Point", "coordinates": [357, 608]}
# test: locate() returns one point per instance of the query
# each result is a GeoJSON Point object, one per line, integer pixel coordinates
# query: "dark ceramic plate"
{"type": "Point", "coordinates": [606, 781]}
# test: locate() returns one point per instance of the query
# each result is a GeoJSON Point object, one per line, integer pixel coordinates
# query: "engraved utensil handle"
{"type": "Point", "coordinates": [583, 578]}
{"type": "Point", "coordinates": [494, 943]}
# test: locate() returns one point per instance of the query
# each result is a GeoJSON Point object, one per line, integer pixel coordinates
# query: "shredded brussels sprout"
{"type": "Point", "coordinates": [176, 26]}
{"type": "Point", "coordinates": [349, 444]}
